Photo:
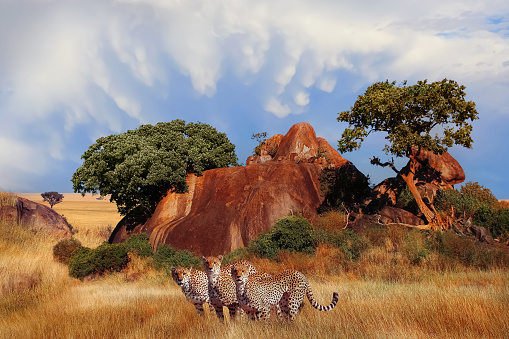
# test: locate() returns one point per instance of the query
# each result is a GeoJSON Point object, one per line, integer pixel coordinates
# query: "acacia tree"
{"type": "Point", "coordinates": [52, 198]}
{"type": "Point", "coordinates": [138, 167]}
{"type": "Point", "coordinates": [409, 115]}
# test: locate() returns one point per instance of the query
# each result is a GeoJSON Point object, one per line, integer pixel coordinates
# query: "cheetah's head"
{"type": "Point", "coordinates": [240, 273]}
{"type": "Point", "coordinates": [180, 275]}
{"type": "Point", "coordinates": [212, 265]}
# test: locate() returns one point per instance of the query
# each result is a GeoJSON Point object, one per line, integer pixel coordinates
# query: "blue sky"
{"type": "Point", "coordinates": [72, 71]}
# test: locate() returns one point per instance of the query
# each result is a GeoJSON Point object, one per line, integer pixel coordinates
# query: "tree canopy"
{"type": "Point", "coordinates": [431, 116]}
{"type": "Point", "coordinates": [138, 167]}
{"type": "Point", "coordinates": [409, 115]}
{"type": "Point", "coordinates": [52, 198]}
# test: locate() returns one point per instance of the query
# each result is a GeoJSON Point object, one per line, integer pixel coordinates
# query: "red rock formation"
{"type": "Point", "coordinates": [226, 208]}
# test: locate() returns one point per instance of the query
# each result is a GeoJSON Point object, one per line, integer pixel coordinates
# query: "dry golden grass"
{"type": "Point", "coordinates": [39, 300]}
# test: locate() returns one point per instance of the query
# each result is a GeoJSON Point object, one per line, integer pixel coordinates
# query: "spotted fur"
{"type": "Point", "coordinates": [287, 289]}
{"type": "Point", "coordinates": [221, 287]}
{"type": "Point", "coordinates": [194, 284]}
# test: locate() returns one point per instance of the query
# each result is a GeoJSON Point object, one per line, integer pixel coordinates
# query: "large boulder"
{"type": "Point", "coordinates": [226, 208]}
{"type": "Point", "coordinates": [37, 217]}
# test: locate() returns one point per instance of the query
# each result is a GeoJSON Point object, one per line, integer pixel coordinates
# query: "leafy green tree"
{"type": "Point", "coordinates": [409, 115]}
{"type": "Point", "coordinates": [138, 167]}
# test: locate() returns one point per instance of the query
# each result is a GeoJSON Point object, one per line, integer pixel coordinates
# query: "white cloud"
{"type": "Point", "coordinates": [274, 106]}
{"type": "Point", "coordinates": [70, 64]}
{"type": "Point", "coordinates": [302, 99]}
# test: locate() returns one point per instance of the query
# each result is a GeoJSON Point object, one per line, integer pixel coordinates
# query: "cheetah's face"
{"type": "Point", "coordinates": [212, 265]}
{"type": "Point", "coordinates": [180, 275]}
{"type": "Point", "coordinates": [240, 273]}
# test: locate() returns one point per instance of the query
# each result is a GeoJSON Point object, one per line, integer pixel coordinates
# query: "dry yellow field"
{"type": "Point", "coordinates": [38, 299]}
{"type": "Point", "coordinates": [91, 216]}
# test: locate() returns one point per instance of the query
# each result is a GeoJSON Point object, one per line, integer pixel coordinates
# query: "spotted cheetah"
{"type": "Point", "coordinates": [221, 287]}
{"type": "Point", "coordinates": [286, 288]}
{"type": "Point", "coordinates": [194, 284]}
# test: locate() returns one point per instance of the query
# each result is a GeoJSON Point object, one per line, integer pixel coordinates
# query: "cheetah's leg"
{"type": "Point", "coordinates": [283, 309]}
{"type": "Point", "coordinates": [295, 300]}
{"type": "Point", "coordinates": [232, 308]}
{"type": "Point", "coordinates": [219, 311]}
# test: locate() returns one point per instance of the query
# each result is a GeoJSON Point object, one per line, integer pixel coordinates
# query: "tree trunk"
{"type": "Point", "coordinates": [434, 221]}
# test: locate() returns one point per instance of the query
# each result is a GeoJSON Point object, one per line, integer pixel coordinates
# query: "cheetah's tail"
{"type": "Point", "coordinates": [315, 304]}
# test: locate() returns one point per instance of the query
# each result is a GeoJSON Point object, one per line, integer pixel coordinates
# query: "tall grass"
{"type": "Point", "coordinates": [384, 293]}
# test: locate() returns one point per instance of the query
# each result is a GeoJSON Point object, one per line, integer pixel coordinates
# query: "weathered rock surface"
{"type": "Point", "coordinates": [36, 216]}
{"type": "Point", "coordinates": [225, 208]}
{"type": "Point", "coordinates": [389, 214]}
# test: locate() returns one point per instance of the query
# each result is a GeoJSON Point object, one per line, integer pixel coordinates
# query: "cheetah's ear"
{"type": "Point", "coordinates": [220, 258]}
{"type": "Point", "coordinates": [172, 269]}
{"type": "Point", "coordinates": [203, 258]}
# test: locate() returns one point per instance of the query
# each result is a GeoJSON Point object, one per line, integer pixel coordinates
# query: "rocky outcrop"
{"type": "Point", "coordinates": [226, 208]}
{"type": "Point", "coordinates": [37, 217]}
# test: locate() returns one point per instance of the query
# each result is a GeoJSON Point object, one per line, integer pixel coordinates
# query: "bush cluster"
{"type": "Point", "coordinates": [477, 202]}
{"type": "Point", "coordinates": [292, 234]}
{"type": "Point", "coordinates": [166, 257]}
{"type": "Point", "coordinates": [84, 261]}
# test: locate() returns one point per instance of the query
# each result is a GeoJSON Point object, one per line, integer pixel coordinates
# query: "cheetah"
{"type": "Point", "coordinates": [287, 288]}
{"type": "Point", "coordinates": [221, 287]}
{"type": "Point", "coordinates": [194, 284]}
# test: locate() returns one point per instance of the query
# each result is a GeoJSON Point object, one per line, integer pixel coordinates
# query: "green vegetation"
{"type": "Point", "coordinates": [138, 167]}
{"type": "Point", "coordinates": [166, 257]}
{"type": "Point", "coordinates": [409, 115]}
{"type": "Point", "coordinates": [476, 202]}
{"type": "Point", "coordinates": [52, 198]}
{"type": "Point", "coordinates": [84, 261]}
{"type": "Point", "coordinates": [292, 234]}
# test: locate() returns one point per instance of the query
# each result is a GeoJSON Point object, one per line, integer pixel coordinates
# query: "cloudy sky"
{"type": "Point", "coordinates": [72, 71]}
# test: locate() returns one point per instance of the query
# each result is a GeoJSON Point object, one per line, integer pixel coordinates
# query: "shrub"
{"type": "Point", "coordinates": [64, 249]}
{"type": "Point", "coordinates": [500, 227]}
{"type": "Point", "coordinates": [166, 256]}
{"type": "Point", "coordinates": [139, 244]}
{"type": "Point", "coordinates": [105, 258]}
{"type": "Point", "coordinates": [292, 234]}
{"type": "Point", "coordinates": [479, 192]}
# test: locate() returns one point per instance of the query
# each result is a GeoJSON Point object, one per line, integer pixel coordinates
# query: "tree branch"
{"type": "Point", "coordinates": [376, 161]}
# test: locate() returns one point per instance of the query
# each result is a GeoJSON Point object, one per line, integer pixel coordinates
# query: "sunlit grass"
{"type": "Point", "coordinates": [382, 296]}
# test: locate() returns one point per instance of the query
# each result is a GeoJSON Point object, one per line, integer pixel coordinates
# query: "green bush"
{"type": "Point", "coordinates": [500, 227]}
{"type": "Point", "coordinates": [139, 244]}
{"type": "Point", "coordinates": [105, 258]}
{"type": "Point", "coordinates": [64, 249]}
{"type": "Point", "coordinates": [293, 234]}
{"type": "Point", "coordinates": [166, 256]}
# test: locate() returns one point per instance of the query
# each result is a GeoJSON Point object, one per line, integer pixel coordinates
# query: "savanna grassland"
{"type": "Point", "coordinates": [384, 294]}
